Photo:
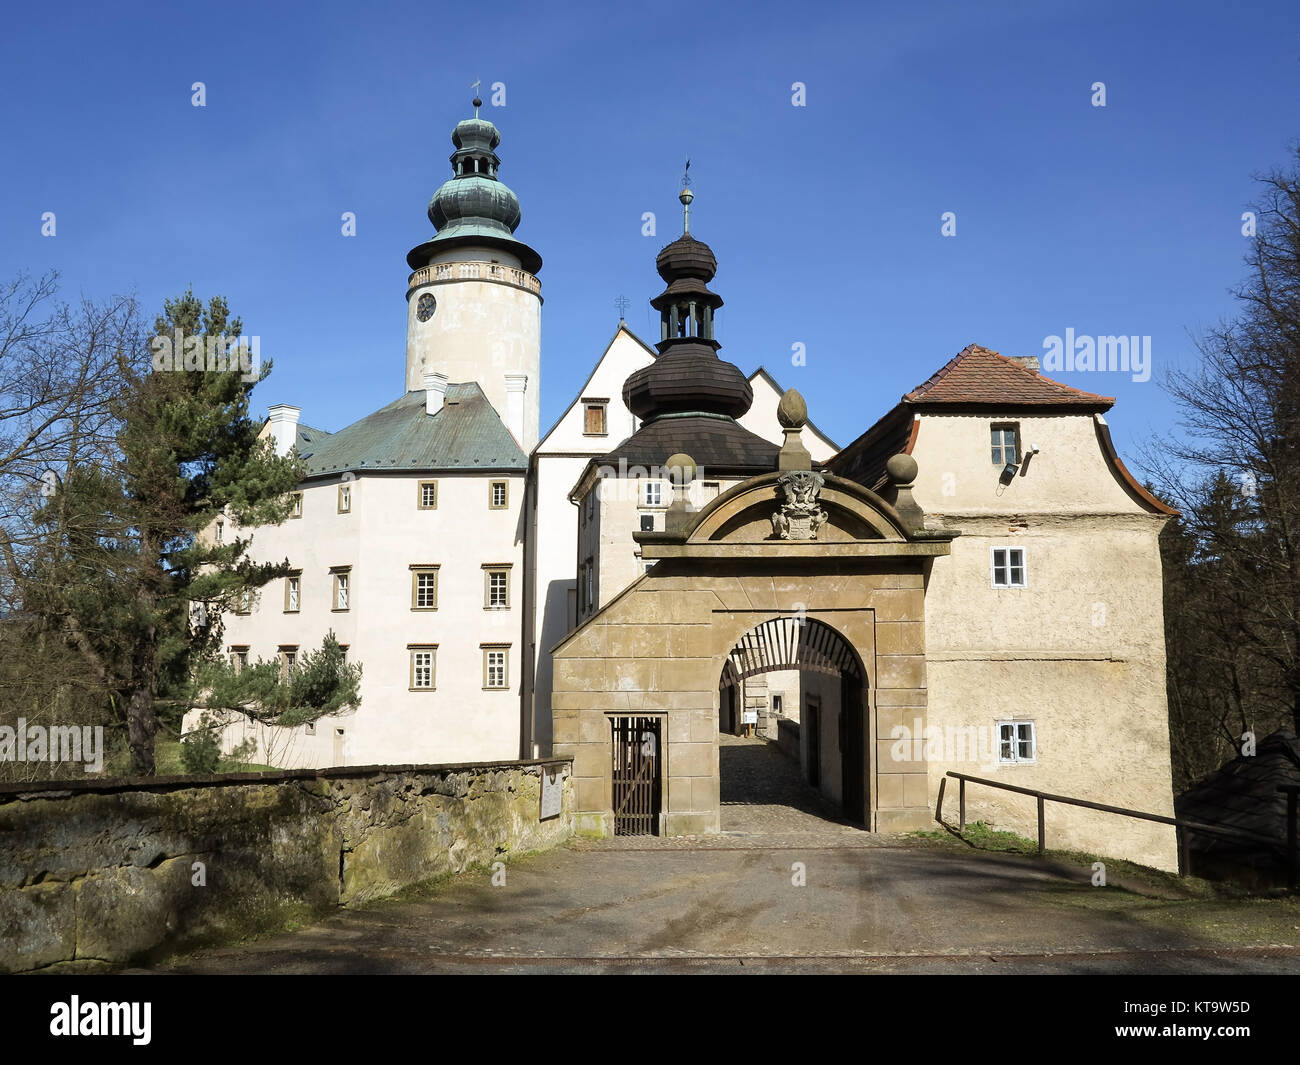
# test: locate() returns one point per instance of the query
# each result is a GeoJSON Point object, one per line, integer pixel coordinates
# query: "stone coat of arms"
{"type": "Point", "coordinates": [800, 515]}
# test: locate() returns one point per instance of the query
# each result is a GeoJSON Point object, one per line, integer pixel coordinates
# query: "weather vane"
{"type": "Point", "coordinates": [686, 175]}
{"type": "Point", "coordinates": [622, 303]}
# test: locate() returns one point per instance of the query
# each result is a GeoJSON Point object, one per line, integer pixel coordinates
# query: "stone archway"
{"type": "Point", "coordinates": [659, 647]}
{"type": "Point", "coordinates": [827, 687]}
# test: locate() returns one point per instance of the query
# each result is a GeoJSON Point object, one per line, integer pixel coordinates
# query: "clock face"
{"type": "Point", "coordinates": [425, 307]}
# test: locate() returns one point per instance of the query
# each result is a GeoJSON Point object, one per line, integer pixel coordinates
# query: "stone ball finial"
{"type": "Point", "coordinates": [477, 102]}
{"type": "Point", "coordinates": [901, 469]}
{"type": "Point", "coordinates": [681, 468]}
{"type": "Point", "coordinates": [792, 411]}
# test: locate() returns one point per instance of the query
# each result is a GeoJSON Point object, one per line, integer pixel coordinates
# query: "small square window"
{"type": "Point", "coordinates": [295, 505]}
{"type": "Point", "coordinates": [423, 666]}
{"type": "Point", "coordinates": [594, 418]}
{"type": "Point", "coordinates": [496, 661]}
{"type": "Point", "coordinates": [1009, 567]}
{"type": "Point", "coordinates": [345, 499]}
{"type": "Point", "coordinates": [498, 495]}
{"type": "Point", "coordinates": [653, 493]}
{"type": "Point", "coordinates": [428, 495]}
{"type": "Point", "coordinates": [1016, 742]}
{"type": "Point", "coordinates": [647, 523]}
{"type": "Point", "coordinates": [1005, 445]}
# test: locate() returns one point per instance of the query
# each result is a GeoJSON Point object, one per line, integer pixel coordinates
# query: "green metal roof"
{"type": "Point", "coordinates": [466, 434]}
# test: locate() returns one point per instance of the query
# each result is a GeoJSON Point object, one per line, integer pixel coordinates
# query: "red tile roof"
{"type": "Point", "coordinates": [977, 376]}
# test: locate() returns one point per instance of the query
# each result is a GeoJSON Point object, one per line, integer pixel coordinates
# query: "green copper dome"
{"type": "Point", "coordinates": [474, 207]}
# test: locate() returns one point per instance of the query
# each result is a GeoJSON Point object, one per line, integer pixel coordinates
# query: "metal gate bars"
{"type": "Point", "coordinates": [637, 747]}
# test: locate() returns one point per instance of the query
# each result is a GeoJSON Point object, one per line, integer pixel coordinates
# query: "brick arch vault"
{"type": "Point", "coordinates": [826, 688]}
{"type": "Point", "coordinates": [648, 663]}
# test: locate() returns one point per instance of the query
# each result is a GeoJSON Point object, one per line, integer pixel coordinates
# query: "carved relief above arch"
{"type": "Point", "coordinates": [744, 514]}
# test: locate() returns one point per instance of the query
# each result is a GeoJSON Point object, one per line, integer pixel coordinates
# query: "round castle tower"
{"type": "Point", "coordinates": [474, 303]}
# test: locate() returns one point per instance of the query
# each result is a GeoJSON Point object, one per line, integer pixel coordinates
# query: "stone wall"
{"type": "Point", "coordinates": [97, 874]}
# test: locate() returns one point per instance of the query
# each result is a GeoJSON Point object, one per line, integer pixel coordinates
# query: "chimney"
{"type": "Point", "coordinates": [435, 391]}
{"type": "Point", "coordinates": [284, 426]}
{"type": "Point", "coordinates": [516, 386]}
{"type": "Point", "coordinates": [1029, 362]}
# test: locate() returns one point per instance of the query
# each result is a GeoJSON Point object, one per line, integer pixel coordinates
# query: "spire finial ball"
{"type": "Point", "coordinates": [680, 468]}
{"type": "Point", "coordinates": [686, 196]}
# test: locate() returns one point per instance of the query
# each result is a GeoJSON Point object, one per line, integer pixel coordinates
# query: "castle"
{"type": "Point", "coordinates": [972, 584]}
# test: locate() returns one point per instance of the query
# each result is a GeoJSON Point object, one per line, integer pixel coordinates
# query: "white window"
{"type": "Point", "coordinates": [1005, 447]}
{"type": "Point", "coordinates": [422, 668]}
{"type": "Point", "coordinates": [292, 594]}
{"type": "Point", "coordinates": [424, 589]}
{"type": "Point", "coordinates": [1009, 567]}
{"type": "Point", "coordinates": [221, 531]}
{"type": "Point", "coordinates": [342, 583]}
{"type": "Point", "coordinates": [498, 589]}
{"type": "Point", "coordinates": [345, 499]}
{"type": "Point", "coordinates": [498, 495]}
{"type": "Point", "coordinates": [1016, 742]}
{"type": "Point", "coordinates": [245, 602]}
{"type": "Point", "coordinates": [296, 512]}
{"type": "Point", "coordinates": [428, 495]}
{"type": "Point", "coordinates": [494, 667]}
{"type": "Point", "coordinates": [653, 493]}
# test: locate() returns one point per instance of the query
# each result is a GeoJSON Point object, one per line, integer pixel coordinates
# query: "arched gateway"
{"type": "Point", "coordinates": [637, 692]}
{"type": "Point", "coordinates": [824, 684]}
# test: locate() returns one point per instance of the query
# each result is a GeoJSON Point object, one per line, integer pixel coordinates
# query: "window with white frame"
{"type": "Point", "coordinates": [428, 495]}
{"type": "Point", "coordinates": [1008, 567]}
{"type": "Point", "coordinates": [423, 666]}
{"type": "Point", "coordinates": [342, 587]}
{"type": "Point", "coordinates": [1016, 742]}
{"type": "Point", "coordinates": [498, 495]}
{"type": "Point", "coordinates": [345, 499]}
{"type": "Point", "coordinates": [497, 587]}
{"type": "Point", "coordinates": [495, 666]}
{"type": "Point", "coordinates": [296, 507]}
{"type": "Point", "coordinates": [424, 587]}
{"type": "Point", "coordinates": [245, 605]}
{"type": "Point", "coordinates": [221, 532]}
{"type": "Point", "coordinates": [293, 593]}
{"type": "Point", "coordinates": [1005, 444]}
{"type": "Point", "coordinates": [652, 494]}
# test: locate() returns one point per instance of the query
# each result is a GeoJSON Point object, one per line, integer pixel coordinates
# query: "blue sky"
{"type": "Point", "coordinates": [826, 219]}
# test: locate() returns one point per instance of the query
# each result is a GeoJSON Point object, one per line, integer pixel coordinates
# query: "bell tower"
{"type": "Point", "coordinates": [474, 303]}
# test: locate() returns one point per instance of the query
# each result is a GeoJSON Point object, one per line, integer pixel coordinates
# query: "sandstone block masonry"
{"type": "Point", "coordinates": [97, 874]}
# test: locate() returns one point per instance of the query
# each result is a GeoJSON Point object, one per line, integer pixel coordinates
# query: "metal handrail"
{"type": "Point", "coordinates": [1044, 797]}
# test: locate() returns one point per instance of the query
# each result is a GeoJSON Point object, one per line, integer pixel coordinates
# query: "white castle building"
{"type": "Point", "coordinates": [452, 546]}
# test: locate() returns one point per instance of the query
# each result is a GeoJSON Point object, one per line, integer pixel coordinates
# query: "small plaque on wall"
{"type": "Point", "coordinates": [552, 793]}
{"type": "Point", "coordinates": [749, 717]}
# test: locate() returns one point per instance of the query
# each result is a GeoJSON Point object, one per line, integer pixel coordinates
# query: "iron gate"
{"type": "Point", "coordinates": [637, 750]}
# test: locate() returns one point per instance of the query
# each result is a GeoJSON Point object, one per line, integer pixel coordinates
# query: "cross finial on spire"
{"type": "Point", "coordinates": [622, 303]}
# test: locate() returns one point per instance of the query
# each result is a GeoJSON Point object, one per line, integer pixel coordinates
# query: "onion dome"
{"type": "Point", "coordinates": [688, 377]}
{"type": "Point", "coordinates": [475, 207]}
